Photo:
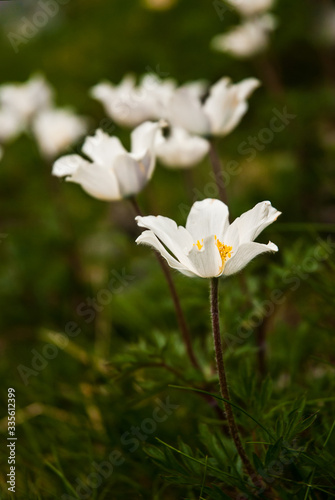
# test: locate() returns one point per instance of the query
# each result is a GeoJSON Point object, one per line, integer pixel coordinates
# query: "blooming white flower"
{"type": "Point", "coordinates": [26, 99]}
{"type": "Point", "coordinates": [56, 129]}
{"type": "Point", "coordinates": [113, 173]}
{"type": "Point", "coordinates": [129, 105]}
{"type": "Point", "coordinates": [10, 125]}
{"type": "Point", "coordinates": [209, 246]}
{"type": "Point", "coordinates": [219, 114]}
{"type": "Point", "coordinates": [180, 149]}
{"type": "Point", "coordinates": [251, 7]}
{"type": "Point", "coordinates": [249, 38]}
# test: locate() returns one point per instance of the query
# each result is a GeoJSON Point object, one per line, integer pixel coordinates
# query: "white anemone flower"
{"type": "Point", "coordinates": [180, 149]}
{"type": "Point", "coordinates": [251, 7]}
{"type": "Point", "coordinates": [130, 105]}
{"type": "Point", "coordinates": [209, 246]}
{"type": "Point", "coordinates": [26, 99]}
{"type": "Point", "coordinates": [56, 129]}
{"type": "Point", "coordinates": [113, 173]}
{"type": "Point", "coordinates": [219, 114]}
{"type": "Point", "coordinates": [248, 39]}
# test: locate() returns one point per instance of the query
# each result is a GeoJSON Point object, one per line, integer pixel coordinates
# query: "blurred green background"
{"type": "Point", "coordinates": [59, 247]}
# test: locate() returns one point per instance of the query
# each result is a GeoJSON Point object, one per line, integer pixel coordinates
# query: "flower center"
{"type": "Point", "coordinates": [225, 250]}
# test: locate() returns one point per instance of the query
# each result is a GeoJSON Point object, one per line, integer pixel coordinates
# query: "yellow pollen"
{"type": "Point", "coordinates": [225, 251]}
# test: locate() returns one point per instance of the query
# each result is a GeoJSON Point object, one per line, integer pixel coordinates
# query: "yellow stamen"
{"type": "Point", "coordinates": [225, 251]}
{"type": "Point", "coordinates": [198, 244]}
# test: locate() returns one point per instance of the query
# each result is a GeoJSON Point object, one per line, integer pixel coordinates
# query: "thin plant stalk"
{"type": "Point", "coordinates": [176, 302]}
{"type": "Point", "coordinates": [223, 381]}
{"type": "Point", "coordinates": [217, 170]}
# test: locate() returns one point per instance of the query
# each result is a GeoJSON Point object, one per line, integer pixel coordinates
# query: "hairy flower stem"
{"type": "Point", "coordinates": [217, 170]}
{"type": "Point", "coordinates": [223, 380]}
{"type": "Point", "coordinates": [176, 302]}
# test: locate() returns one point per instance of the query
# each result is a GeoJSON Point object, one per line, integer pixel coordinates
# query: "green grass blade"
{"type": "Point", "coordinates": [227, 401]}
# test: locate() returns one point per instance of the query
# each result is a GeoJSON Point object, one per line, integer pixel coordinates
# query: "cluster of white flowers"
{"type": "Point", "coordinates": [252, 36]}
{"type": "Point", "coordinates": [30, 107]}
{"type": "Point", "coordinates": [174, 124]}
{"type": "Point", "coordinates": [178, 137]}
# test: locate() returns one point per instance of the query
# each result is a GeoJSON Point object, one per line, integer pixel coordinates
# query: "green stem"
{"type": "Point", "coordinates": [223, 381]}
{"type": "Point", "coordinates": [176, 302]}
{"type": "Point", "coordinates": [217, 170]}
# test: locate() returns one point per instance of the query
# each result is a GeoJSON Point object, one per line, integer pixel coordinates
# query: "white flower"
{"type": "Point", "coordinates": [10, 125]}
{"type": "Point", "coordinates": [26, 99]}
{"type": "Point", "coordinates": [247, 39]}
{"type": "Point", "coordinates": [180, 149]}
{"type": "Point", "coordinates": [56, 130]}
{"type": "Point", "coordinates": [251, 7]}
{"type": "Point", "coordinates": [209, 246]}
{"type": "Point", "coordinates": [219, 114]}
{"type": "Point", "coordinates": [129, 105]}
{"type": "Point", "coordinates": [113, 173]}
{"type": "Point", "coordinates": [325, 25]}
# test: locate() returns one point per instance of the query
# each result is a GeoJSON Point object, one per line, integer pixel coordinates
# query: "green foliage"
{"type": "Point", "coordinates": [85, 403]}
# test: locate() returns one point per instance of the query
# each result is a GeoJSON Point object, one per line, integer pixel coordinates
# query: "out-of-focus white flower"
{"type": "Point", "coordinates": [180, 149]}
{"type": "Point", "coordinates": [209, 246]}
{"type": "Point", "coordinates": [26, 99]}
{"type": "Point", "coordinates": [56, 129]}
{"type": "Point", "coordinates": [159, 4]}
{"type": "Point", "coordinates": [249, 38]}
{"type": "Point", "coordinates": [251, 7]}
{"type": "Point", "coordinates": [219, 114]}
{"type": "Point", "coordinates": [113, 173]}
{"type": "Point", "coordinates": [325, 26]}
{"type": "Point", "coordinates": [10, 125]}
{"type": "Point", "coordinates": [129, 105]}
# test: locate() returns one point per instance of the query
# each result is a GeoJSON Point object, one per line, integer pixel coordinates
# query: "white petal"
{"type": "Point", "coordinates": [149, 238]}
{"type": "Point", "coordinates": [208, 217]}
{"type": "Point", "coordinates": [185, 110]}
{"type": "Point", "coordinates": [245, 253]}
{"type": "Point", "coordinates": [68, 165]}
{"type": "Point", "coordinates": [251, 223]}
{"type": "Point", "coordinates": [231, 238]}
{"type": "Point", "coordinates": [10, 124]}
{"type": "Point", "coordinates": [251, 7]}
{"type": "Point", "coordinates": [143, 138]}
{"type": "Point", "coordinates": [56, 129]}
{"type": "Point", "coordinates": [176, 238]}
{"type": "Point", "coordinates": [97, 181]}
{"type": "Point", "coordinates": [102, 149]}
{"type": "Point", "coordinates": [124, 103]}
{"type": "Point", "coordinates": [207, 261]}
{"type": "Point", "coordinates": [132, 174]}
{"type": "Point", "coordinates": [227, 104]}
{"type": "Point", "coordinates": [242, 41]}
{"type": "Point", "coordinates": [25, 99]}
{"type": "Point", "coordinates": [181, 149]}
